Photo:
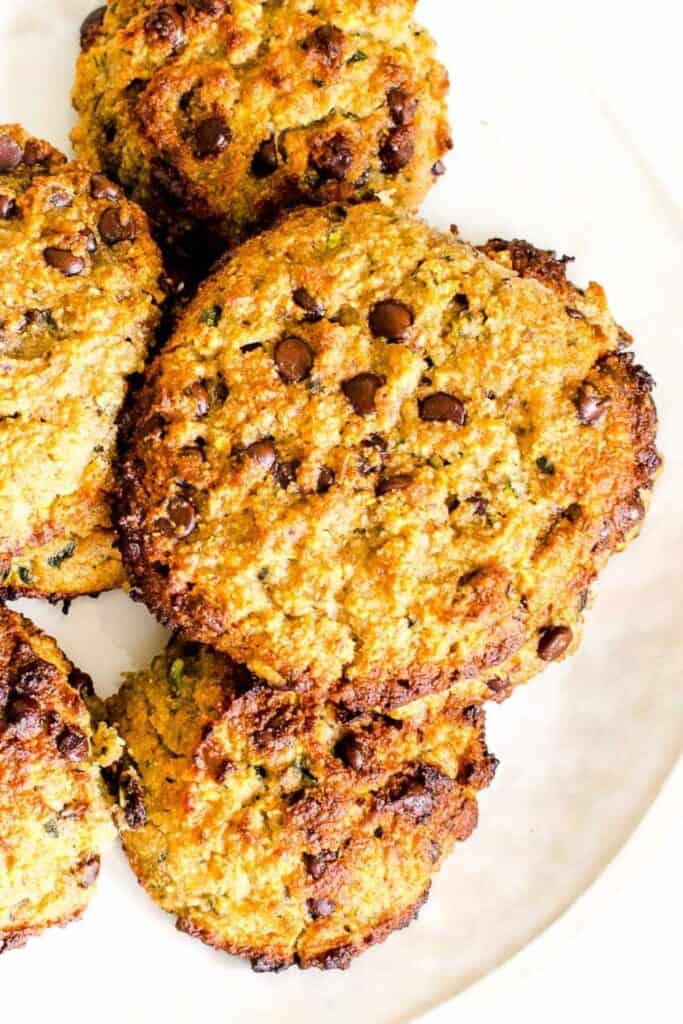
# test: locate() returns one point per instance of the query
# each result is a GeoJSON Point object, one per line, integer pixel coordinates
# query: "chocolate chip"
{"type": "Point", "coordinates": [313, 308]}
{"type": "Point", "coordinates": [574, 314]}
{"type": "Point", "coordinates": [438, 169]}
{"type": "Point", "coordinates": [113, 229]}
{"type": "Point", "coordinates": [402, 106]}
{"type": "Point", "coordinates": [198, 393]}
{"type": "Point", "coordinates": [285, 472]}
{"type": "Point", "coordinates": [416, 801]}
{"type": "Point", "coordinates": [90, 27]}
{"type": "Point", "coordinates": [294, 359]}
{"type": "Point", "coordinates": [318, 863]}
{"type": "Point", "coordinates": [265, 161]}
{"type": "Point", "coordinates": [89, 238]}
{"type": "Point", "coordinates": [72, 745]}
{"type": "Point", "coordinates": [81, 682]}
{"type": "Point", "coordinates": [320, 908]}
{"type": "Point", "coordinates": [11, 154]}
{"type": "Point", "coordinates": [7, 207]}
{"type": "Point", "coordinates": [60, 200]}
{"type": "Point", "coordinates": [88, 872]}
{"type": "Point", "coordinates": [590, 406]}
{"type": "Point", "coordinates": [554, 641]}
{"type": "Point", "coordinates": [166, 23]}
{"type": "Point", "coordinates": [349, 750]}
{"type": "Point", "coordinates": [326, 479]}
{"type": "Point", "coordinates": [442, 408]}
{"type": "Point", "coordinates": [63, 261]}
{"type": "Point", "coordinates": [332, 157]}
{"type": "Point", "coordinates": [328, 42]}
{"type": "Point", "coordinates": [393, 483]}
{"type": "Point", "coordinates": [263, 453]}
{"type": "Point", "coordinates": [397, 149]}
{"type": "Point", "coordinates": [23, 714]}
{"type": "Point", "coordinates": [479, 504]}
{"type": "Point", "coordinates": [130, 794]}
{"type": "Point", "coordinates": [361, 391]}
{"type": "Point", "coordinates": [211, 137]}
{"type": "Point", "coordinates": [34, 677]}
{"type": "Point", "coordinates": [182, 515]}
{"type": "Point", "coordinates": [390, 319]}
{"type": "Point", "coordinates": [103, 188]}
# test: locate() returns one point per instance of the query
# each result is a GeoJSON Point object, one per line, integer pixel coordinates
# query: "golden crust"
{"type": "Point", "coordinates": [444, 533]}
{"type": "Point", "coordinates": [54, 820]}
{"type": "Point", "coordinates": [277, 831]}
{"type": "Point", "coordinates": [224, 114]}
{"type": "Point", "coordinates": [79, 304]}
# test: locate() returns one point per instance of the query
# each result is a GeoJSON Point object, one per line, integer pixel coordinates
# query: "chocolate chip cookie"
{"type": "Point", "coordinates": [79, 304]}
{"type": "Point", "coordinates": [221, 114]}
{"type": "Point", "coordinates": [375, 461]}
{"type": "Point", "coordinates": [54, 818]}
{"type": "Point", "coordinates": [274, 830]}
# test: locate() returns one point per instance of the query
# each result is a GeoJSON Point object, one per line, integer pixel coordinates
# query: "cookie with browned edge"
{"type": "Point", "coordinates": [377, 462]}
{"type": "Point", "coordinates": [275, 830]}
{"type": "Point", "coordinates": [219, 114]}
{"type": "Point", "coordinates": [54, 817]}
{"type": "Point", "coordinates": [79, 304]}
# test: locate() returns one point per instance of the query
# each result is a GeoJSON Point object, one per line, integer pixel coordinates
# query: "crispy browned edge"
{"type": "Point", "coordinates": [148, 585]}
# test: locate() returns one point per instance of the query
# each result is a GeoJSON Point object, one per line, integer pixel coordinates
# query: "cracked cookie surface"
{"type": "Point", "coordinates": [376, 462]}
{"type": "Point", "coordinates": [54, 818]}
{"type": "Point", "coordinates": [222, 114]}
{"type": "Point", "coordinates": [274, 830]}
{"type": "Point", "coordinates": [79, 303]}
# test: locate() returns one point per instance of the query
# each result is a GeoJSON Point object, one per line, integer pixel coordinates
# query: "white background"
{"type": "Point", "coordinates": [567, 125]}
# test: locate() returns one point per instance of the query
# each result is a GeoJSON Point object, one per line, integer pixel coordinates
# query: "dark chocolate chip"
{"type": "Point", "coordinates": [416, 801]}
{"type": "Point", "coordinates": [320, 908]}
{"type": "Point", "coordinates": [60, 199]}
{"type": "Point", "coordinates": [397, 149]}
{"type": "Point", "coordinates": [393, 483]}
{"type": "Point", "coordinates": [590, 406]}
{"type": "Point", "coordinates": [113, 229]}
{"type": "Point", "coordinates": [402, 106]}
{"type": "Point", "coordinates": [36, 152]}
{"type": "Point", "coordinates": [7, 207]}
{"type": "Point", "coordinates": [328, 42]}
{"type": "Point", "coordinates": [23, 714]}
{"type": "Point", "coordinates": [349, 750]}
{"type": "Point", "coordinates": [575, 314]}
{"type": "Point", "coordinates": [34, 677]}
{"type": "Point", "coordinates": [316, 864]}
{"type": "Point", "coordinates": [554, 641]}
{"type": "Point", "coordinates": [313, 308]}
{"type": "Point", "coordinates": [294, 359]}
{"type": "Point", "coordinates": [90, 27]}
{"type": "Point", "coordinates": [90, 240]}
{"type": "Point", "coordinates": [361, 391]}
{"type": "Point", "coordinates": [166, 23]}
{"type": "Point", "coordinates": [11, 154]}
{"type": "Point", "coordinates": [479, 504]}
{"type": "Point", "coordinates": [438, 169]}
{"type": "Point", "coordinates": [64, 261]}
{"type": "Point", "coordinates": [265, 160]}
{"type": "Point", "coordinates": [81, 682]}
{"type": "Point", "coordinates": [102, 188]}
{"type": "Point", "coordinates": [131, 797]}
{"type": "Point", "coordinates": [182, 515]}
{"type": "Point", "coordinates": [333, 157]}
{"type": "Point", "coordinates": [72, 745]}
{"type": "Point", "coordinates": [263, 453]}
{"type": "Point", "coordinates": [390, 319]}
{"type": "Point", "coordinates": [88, 872]}
{"type": "Point", "coordinates": [326, 479]}
{"type": "Point", "coordinates": [211, 137]}
{"type": "Point", "coordinates": [442, 408]}
{"type": "Point", "coordinates": [200, 396]}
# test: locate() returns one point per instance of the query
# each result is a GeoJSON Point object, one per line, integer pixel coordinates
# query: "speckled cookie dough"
{"type": "Point", "coordinates": [79, 304]}
{"type": "Point", "coordinates": [221, 114]}
{"type": "Point", "coordinates": [54, 818]}
{"type": "Point", "coordinates": [377, 462]}
{"type": "Point", "coordinates": [274, 830]}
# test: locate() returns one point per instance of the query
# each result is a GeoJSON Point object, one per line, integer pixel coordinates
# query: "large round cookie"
{"type": "Point", "coordinates": [79, 303]}
{"type": "Point", "coordinates": [274, 830]}
{"type": "Point", "coordinates": [222, 114]}
{"type": "Point", "coordinates": [54, 818]}
{"type": "Point", "coordinates": [375, 461]}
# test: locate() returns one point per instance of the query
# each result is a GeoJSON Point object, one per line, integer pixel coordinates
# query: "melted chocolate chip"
{"type": "Point", "coordinates": [11, 154]}
{"type": "Point", "coordinates": [263, 453]}
{"type": "Point", "coordinates": [320, 908]}
{"type": "Point", "coordinates": [313, 308]}
{"type": "Point", "coordinates": [182, 515]}
{"type": "Point", "coordinates": [390, 319]}
{"type": "Point", "coordinates": [7, 207]}
{"type": "Point", "coordinates": [590, 406]}
{"type": "Point", "coordinates": [393, 483]}
{"type": "Point", "coordinates": [333, 157]}
{"type": "Point", "coordinates": [402, 106]}
{"type": "Point", "coordinates": [442, 408]}
{"type": "Point", "coordinates": [438, 169]}
{"type": "Point", "coordinates": [554, 642]}
{"type": "Point", "coordinates": [361, 391]}
{"type": "Point", "coordinates": [265, 160]}
{"type": "Point", "coordinates": [326, 479]}
{"type": "Point", "coordinates": [23, 714]}
{"type": "Point", "coordinates": [81, 682]}
{"type": "Point", "coordinates": [199, 394]}
{"type": "Point", "coordinates": [113, 229]}
{"type": "Point", "coordinates": [90, 27]}
{"type": "Point", "coordinates": [211, 137]}
{"type": "Point", "coordinates": [317, 864]}
{"type": "Point", "coordinates": [72, 745]}
{"type": "Point", "coordinates": [64, 261]}
{"type": "Point", "coordinates": [397, 149]}
{"type": "Point", "coordinates": [166, 23]}
{"type": "Point", "coordinates": [293, 359]}
{"type": "Point", "coordinates": [328, 42]}
{"type": "Point", "coordinates": [102, 188]}
{"type": "Point", "coordinates": [350, 752]}
{"type": "Point", "coordinates": [88, 872]}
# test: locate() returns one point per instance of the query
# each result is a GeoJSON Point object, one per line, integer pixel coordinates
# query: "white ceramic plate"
{"type": "Point", "coordinates": [543, 151]}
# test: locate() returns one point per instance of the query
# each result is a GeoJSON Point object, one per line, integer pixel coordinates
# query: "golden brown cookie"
{"type": "Point", "coordinates": [54, 818]}
{"type": "Point", "coordinates": [376, 462]}
{"type": "Point", "coordinates": [79, 304]}
{"type": "Point", "coordinates": [221, 114]}
{"type": "Point", "coordinates": [274, 830]}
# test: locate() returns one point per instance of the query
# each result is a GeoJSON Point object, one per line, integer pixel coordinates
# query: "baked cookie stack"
{"type": "Point", "coordinates": [368, 479]}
